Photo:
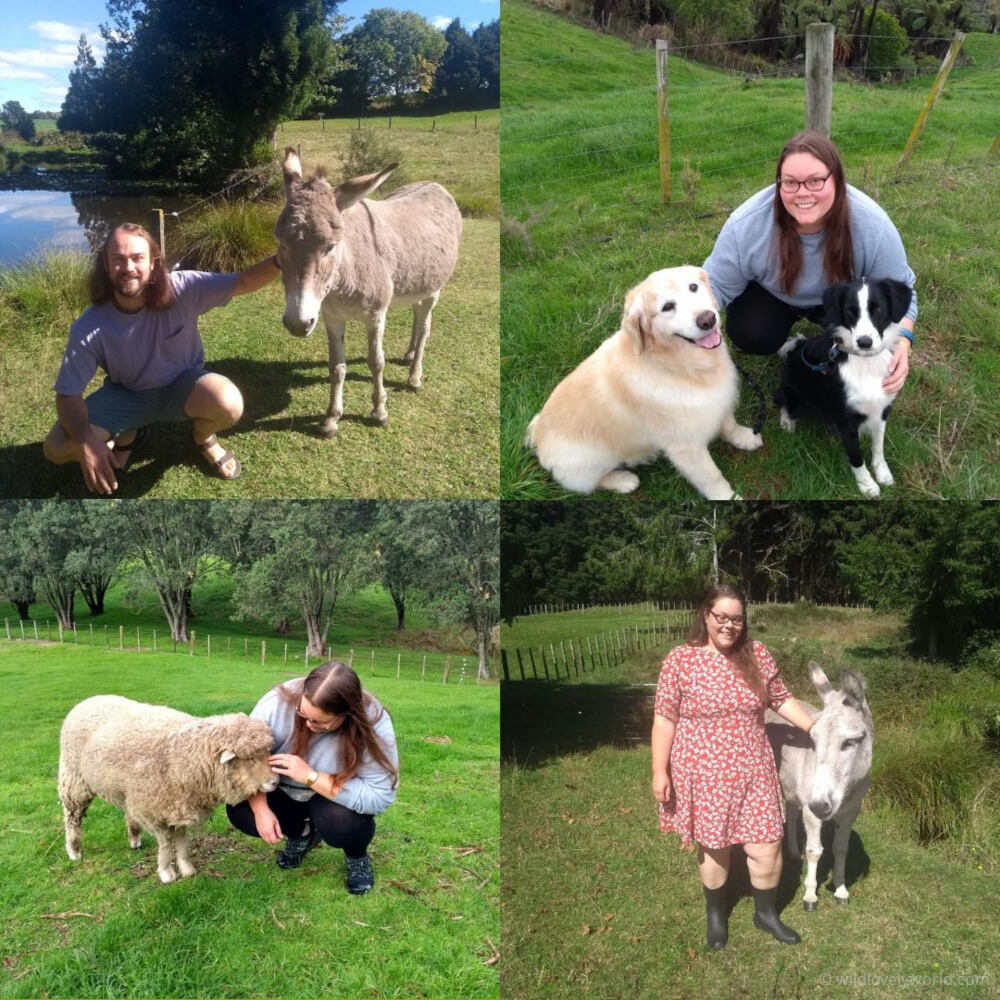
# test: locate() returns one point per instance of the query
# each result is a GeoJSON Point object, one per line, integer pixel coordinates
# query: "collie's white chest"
{"type": "Point", "coordinates": [862, 378]}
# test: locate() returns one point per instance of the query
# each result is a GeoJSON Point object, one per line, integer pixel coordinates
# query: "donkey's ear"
{"type": "Point", "coordinates": [816, 675]}
{"type": "Point", "coordinates": [353, 190]}
{"type": "Point", "coordinates": [854, 686]}
{"type": "Point", "coordinates": [292, 168]}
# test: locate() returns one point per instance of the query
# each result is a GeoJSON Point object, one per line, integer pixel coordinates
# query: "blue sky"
{"type": "Point", "coordinates": [38, 39]}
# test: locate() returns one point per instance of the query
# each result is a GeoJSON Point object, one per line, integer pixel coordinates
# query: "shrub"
{"type": "Point", "coordinates": [227, 236]}
{"type": "Point", "coordinates": [368, 152]}
{"type": "Point", "coordinates": [888, 43]}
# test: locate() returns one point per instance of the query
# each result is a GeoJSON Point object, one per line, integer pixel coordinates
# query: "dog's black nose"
{"type": "Point", "coordinates": [864, 343]}
{"type": "Point", "coordinates": [706, 320]}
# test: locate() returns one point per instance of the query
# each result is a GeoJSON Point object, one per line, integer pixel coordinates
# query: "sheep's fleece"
{"type": "Point", "coordinates": [166, 770]}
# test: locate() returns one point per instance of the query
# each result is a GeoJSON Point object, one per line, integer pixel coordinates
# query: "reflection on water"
{"type": "Point", "coordinates": [32, 222]}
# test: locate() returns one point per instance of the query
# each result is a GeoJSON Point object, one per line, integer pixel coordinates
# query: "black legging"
{"type": "Point", "coordinates": [759, 323]}
{"type": "Point", "coordinates": [337, 825]}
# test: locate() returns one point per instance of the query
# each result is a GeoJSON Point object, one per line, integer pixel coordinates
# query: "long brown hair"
{"type": "Point", "coordinates": [159, 291]}
{"type": "Point", "coordinates": [333, 687]}
{"type": "Point", "coordinates": [741, 656]}
{"type": "Point", "coordinates": [838, 251]}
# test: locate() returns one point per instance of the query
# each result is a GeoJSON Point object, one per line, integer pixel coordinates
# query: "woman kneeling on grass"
{"type": "Point", "coordinates": [713, 769]}
{"type": "Point", "coordinates": [335, 755]}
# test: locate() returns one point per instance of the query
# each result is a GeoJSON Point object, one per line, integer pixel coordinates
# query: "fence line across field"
{"type": "Point", "coordinates": [367, 661]}
{"type": "Point", "coordinates": [656, 607]}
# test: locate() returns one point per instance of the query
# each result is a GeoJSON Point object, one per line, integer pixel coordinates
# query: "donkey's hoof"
{"type": "Point", "coordinates": [414, 383]}
{"type": "Point", "coordinates": [381, 421]}
{"type": "Point", "coordinates": [328, 429]}
{"type": "Point", "coordinates": [807, 906]}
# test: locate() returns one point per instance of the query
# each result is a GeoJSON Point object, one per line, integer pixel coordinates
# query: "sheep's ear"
{"type": "Point", "coordinates": [226, 756]}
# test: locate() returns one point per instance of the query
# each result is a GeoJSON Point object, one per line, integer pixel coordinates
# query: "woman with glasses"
{"type": "Point", "coordinates": [779, 251]}
{"type": "Point", "coordinates": [714, 775]}
{"type": "Point", "coordinates": [335, 755]}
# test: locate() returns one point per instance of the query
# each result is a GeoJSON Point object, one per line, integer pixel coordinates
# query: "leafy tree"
{"type": "Point", "coordinates": [392, 53]}
{"type": "Point", "coordinates": [486, 39]}
{"type": "Point", "coordinates": [887, 44]}
{"type": "Point", "coordinates": [16, 583]}
{"type": "Point", "coordinates": [100, 548]}
{"type": "Point", "coordinates": [83, 107]}
{"type": "Point", "coordinates": [308, 552]}
{"type": "Point", "coordinates": [16, 119]}
{"type": "Point", "coordinates": [194, 90]}
{"type": "Point", "coordinates": [458, 73]}
{"type": "Point", "coordinates": [399, 553]}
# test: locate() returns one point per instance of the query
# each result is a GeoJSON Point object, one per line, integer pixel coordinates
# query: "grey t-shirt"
{"type": "Point", "coordinates": [746, 250]}
{"type": "Point", "coordinates": [147, 349]}
{"type": "Point", "coordinates": [370, 791]}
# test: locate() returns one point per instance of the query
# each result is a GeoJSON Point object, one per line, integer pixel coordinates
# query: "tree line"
{"type": "Point", "coordinates": [189, 92]}
{"type": "Point", "coordinates": [289, 561]}
{"type": "Point", "coordinates": [936, 563]}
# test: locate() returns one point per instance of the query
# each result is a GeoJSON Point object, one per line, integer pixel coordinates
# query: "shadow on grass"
{"type": "Point", "coordinates": [543, 720]}
{"type": "Point", "coordinates": [268, 389]}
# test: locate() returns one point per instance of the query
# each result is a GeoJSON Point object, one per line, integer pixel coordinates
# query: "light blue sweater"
{"type": "Point", "coordinates": [370, 791]}
{"type": "Point", "coordinates": [746, 250]}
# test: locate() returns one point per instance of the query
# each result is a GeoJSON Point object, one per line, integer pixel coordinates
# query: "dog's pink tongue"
{"type": "Point", "coordinates": [711, 339]}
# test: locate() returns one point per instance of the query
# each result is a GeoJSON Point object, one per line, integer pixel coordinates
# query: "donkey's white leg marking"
{"type": "Point", "coordinates": [338, 372]}
{"type": "Point", "coordinates": [814, 849]}
{"type": "Point", "coordinates": [418, 339]}
{"type": "Point", "coordinates": [376, 362]}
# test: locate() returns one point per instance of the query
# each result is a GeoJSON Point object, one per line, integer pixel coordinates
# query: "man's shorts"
{"type": "Point", "coordinates": [118, 410]}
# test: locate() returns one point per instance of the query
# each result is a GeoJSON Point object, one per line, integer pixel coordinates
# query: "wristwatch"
{"type": "Point", "coordinates": [311, 778]}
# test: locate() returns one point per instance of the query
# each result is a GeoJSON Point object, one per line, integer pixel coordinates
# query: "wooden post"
{"type": "Point", "coordinates": [399, 657]}
{"type": "Point", "coordinates": [819, 77]}
{"type": "Point", "coordinates": [7, 626]}
{"type": "Point", "coordinates": [246, 650]}
{"type": "Point", "coordinates": [423, 668]}
{"type": "Point", "coordinates": [154, 640]}
{"type": "Point", "coordinates": [191, 642]}
{"type": "Point", "coordinates": [936, 88]}
{"type": "Point", "coordinates": [663, 117]}
{"type": "Point", "coordinates": [208, 650]}
{"type": "Point", "coordinates": [263, 652]}
{"type": "Point", "coordinates": [121, 636]}
{"type": "Point", "coordinates": [447, 667]}
{"type": "Point", "coordinates": [35, 624]}
{"type": "Point", "coordinates": [373, 661]}
{"type": "Point", "coordinates": [138, 640]}
{"type": "Point", "coordinates": [158, 212]}
{"type": "Point", "coordinates": [286, 654]}
{"type": "Point", "coordinates": [350, 659]}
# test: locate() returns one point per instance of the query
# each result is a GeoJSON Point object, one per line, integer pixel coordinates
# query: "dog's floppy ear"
{"type": "Point", "coordinates": [833, 303]}
{"type": "Point", "coordinates": [703, 277]}
{"type": "Point", "coordinates": [634, 320]}
{"type": "Point", "coordinates": [899, 294]}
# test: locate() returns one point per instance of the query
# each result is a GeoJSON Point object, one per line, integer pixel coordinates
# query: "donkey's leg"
{"type": "Point", "coordinates": [814, 849]}
{"type": "Point", "coordinates": [792, 810]}
{"type": "Point", "coordinates": [418, 339]}
{"type": "Point", "coordinates": [376, 362]}
{"type": "Point", "coordinates": [338, 372]}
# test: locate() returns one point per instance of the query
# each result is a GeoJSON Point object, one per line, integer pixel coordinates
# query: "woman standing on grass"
{"type": "Point", "coordinates": [779, 251]}
{"type": "Point", "coordinates": [713, 769]}
{"type": "Point", "coordinates": [335, 754]}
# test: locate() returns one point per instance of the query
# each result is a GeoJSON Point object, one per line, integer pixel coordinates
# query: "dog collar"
{"type": "Point", "coordinates": [824, 366]}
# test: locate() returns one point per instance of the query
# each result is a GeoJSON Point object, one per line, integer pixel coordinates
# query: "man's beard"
{"type": "Point", "coordinates": [130, 288]}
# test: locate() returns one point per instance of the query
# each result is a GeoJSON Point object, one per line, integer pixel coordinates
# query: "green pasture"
{"type": "Point", "coordinates": [243, 927]}
{"type": "Point", "coordinates": [441, 441]}
{"type": "Point", "coordinates": [583, 222]}
{"type": "Point", "coordinates": [596, 902]}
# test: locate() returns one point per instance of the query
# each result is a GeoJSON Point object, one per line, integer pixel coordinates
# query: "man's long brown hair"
{"type": "Point", "coordinates": [159, 291]}
{"type": "Point", "coordinates": [334, 688]}
{"type": "Point", "coordinates": [838, 251]}
{"type": "Point", "coordinates": [741, 656]}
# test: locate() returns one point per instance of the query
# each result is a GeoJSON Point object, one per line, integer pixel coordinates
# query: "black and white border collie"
{"type": "Point", "coordinates": [837, 376]}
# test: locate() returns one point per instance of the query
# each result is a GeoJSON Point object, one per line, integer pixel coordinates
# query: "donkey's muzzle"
{"type": "Point", "coordinates": [299, 327]}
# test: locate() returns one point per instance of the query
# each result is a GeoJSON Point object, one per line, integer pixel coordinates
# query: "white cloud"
{"type": "Point", "coordinates": [442, 22]}
{"type": "Point", "coordinates": [57, 31]}
{"type": "Point", "coordinates": [9, 72]}
{"type": "Point", "coordinates": [54, 58]}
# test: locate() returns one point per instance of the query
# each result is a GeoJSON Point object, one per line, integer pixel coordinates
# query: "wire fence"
{"type": "Point", "coordinates": [370, 661]}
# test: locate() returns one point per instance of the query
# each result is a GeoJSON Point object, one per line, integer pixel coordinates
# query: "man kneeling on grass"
{"type": "Point", "coordinates": [142, 331]}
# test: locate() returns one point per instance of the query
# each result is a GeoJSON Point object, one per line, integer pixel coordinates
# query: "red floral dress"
{"type": "Point", "coordinates": [724, 786]}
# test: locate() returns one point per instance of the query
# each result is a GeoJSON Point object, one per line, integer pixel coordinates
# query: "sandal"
{"type": "Point", "coordinates": [131, 448]}
{"type": "Point", "coordinates": [217, 463]}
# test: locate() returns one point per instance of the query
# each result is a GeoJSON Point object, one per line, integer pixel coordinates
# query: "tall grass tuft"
{"type": "Point", "coordinates": [228, 236]}
{"type": "Point", "coordinates": [50, 288]}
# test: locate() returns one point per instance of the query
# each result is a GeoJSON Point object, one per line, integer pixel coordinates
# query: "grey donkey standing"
{"type": "Point", "coordinates": [825, 773]}
{"type": "Point", "coordinates": [352, 259]}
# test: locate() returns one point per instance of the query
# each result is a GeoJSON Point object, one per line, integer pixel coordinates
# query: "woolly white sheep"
{"type": "Point", "coordinates": [166, 770]}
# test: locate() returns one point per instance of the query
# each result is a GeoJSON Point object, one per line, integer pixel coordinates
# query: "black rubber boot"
{"type": "Point", "coordinates": [296, 848]}
{"type": "Point", "coordinates": [716, 914]}
{"type": "Point", "coordinates": [766, 917]}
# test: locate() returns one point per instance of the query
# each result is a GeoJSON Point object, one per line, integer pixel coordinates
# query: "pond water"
{"type": "Point", "coordinates": [33, 221]}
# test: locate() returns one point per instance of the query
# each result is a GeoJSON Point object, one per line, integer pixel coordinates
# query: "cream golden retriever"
{"type": "Point", "coordinates": [664, 384]}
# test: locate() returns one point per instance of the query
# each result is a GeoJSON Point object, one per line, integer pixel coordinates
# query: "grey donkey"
{"type": "Point", "coordinates": [352, 259]}
{"type": "Point", "coordinates": [825, 773]}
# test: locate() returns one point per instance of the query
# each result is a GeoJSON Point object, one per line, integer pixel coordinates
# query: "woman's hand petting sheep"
{"type": "Point", "coordinates": [289, 766]}
{"type": "Point", "coordinates": [267, 825]}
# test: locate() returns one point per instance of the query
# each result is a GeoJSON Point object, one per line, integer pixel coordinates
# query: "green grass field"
{"type": "Point", "coordinates": [242, 927]}
{"type": "Point", "coordinates": [583, 222]}
{"type": "Point", "coordinates": [596, 902]}
{"type": "Point", "coordinates": [441, 441]}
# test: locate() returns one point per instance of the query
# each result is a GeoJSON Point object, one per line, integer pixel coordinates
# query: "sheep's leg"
{"type": "Point", "coordinates": [418, 339]}
{"type": "Point", "coordinates": [814, 849]}
{"type": "Point", "coordinates": [134, 832]}
{"type": "Point", "coordinates": [165, 856]}
{"type": "Point", "coordinates": [181, 849]}
{"type": "Point", "coordinates": [76, 797]}
{"type": "Point", "coordinates": [376, 362]}
{"type": "Point", "coordinates": [335, 330]}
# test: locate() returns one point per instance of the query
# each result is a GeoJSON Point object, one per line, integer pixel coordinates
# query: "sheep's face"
{"type": "Point", "coordinates": [246, 776]}
{"type": "Point", "coordinates": [244, 744]}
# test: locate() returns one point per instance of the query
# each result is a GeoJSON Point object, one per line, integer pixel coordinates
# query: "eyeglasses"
{"type": "Point", "coordinates": [810, 184]}
{"type": "Point", "coordinates": [736, 620]}
{"type": "Point", "coordinates": [325, 727]}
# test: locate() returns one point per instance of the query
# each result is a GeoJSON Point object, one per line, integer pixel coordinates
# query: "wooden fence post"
{"type": "Point", "coordinates": [191, 643]}
{"type": "Point", "coordinates": [447, 668]}
{"type": "Point", "coordinates": [663, 118]}
{"type": "Point", "coordinates": [121, 636]}
{"type": "Point", "coordinates": [819, 77]}
{"type": "Point", "coordinates": [936, 88]}
{"type": "Point", "coordinates": [263, 652]}
{"type": "Point", "coordinates": [423, 668]}
{"type": "Point", "coordinates": [138, 640]}
{"type": "Point", "coordinates": [399, 657]}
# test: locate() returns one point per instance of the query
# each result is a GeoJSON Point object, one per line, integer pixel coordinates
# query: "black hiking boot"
{"type": "Point", "coordinates": [766, 917]}
{"type": "Point", "coordinates": [360, 877]}
{"type": "Point", "coordinates": [716, 916]}
{"type": "Point", "coordinates": [296, 848]}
